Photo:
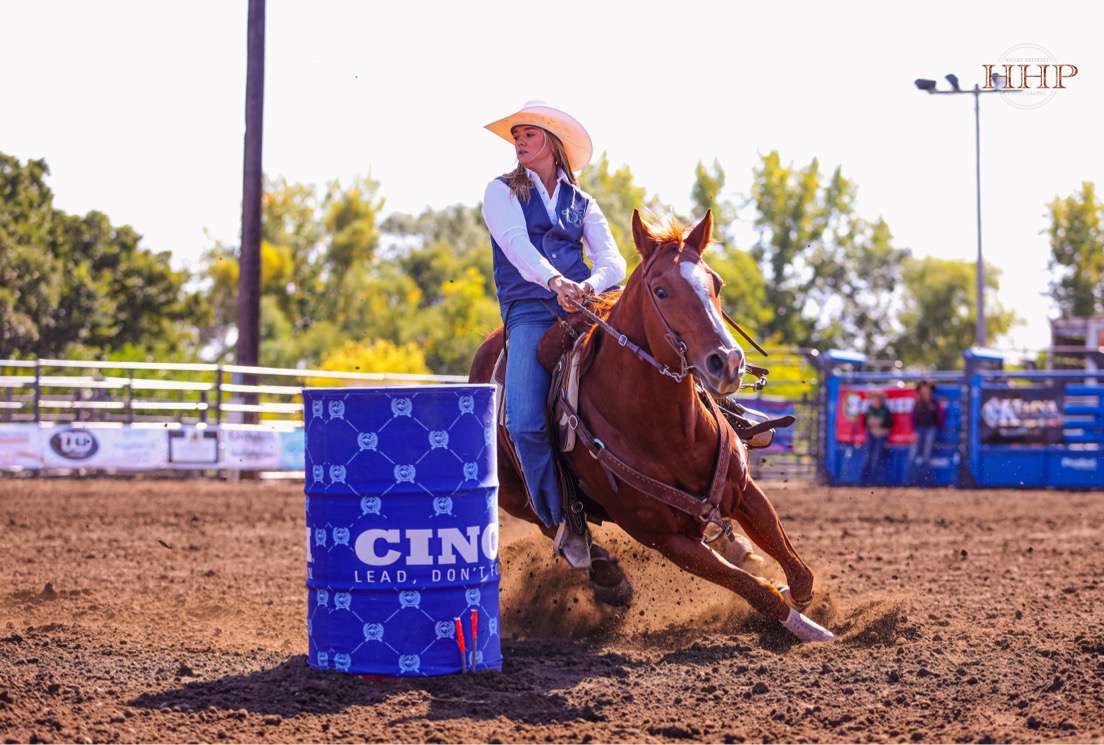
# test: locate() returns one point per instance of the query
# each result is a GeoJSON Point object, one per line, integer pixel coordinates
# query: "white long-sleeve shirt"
{"type": "Point", "coordinates": [506, 221]}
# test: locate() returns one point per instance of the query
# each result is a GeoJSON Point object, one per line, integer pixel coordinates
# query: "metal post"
{"type": "Point", "coordinates": [130, 399]}
{"type": "Point", "coordinates": [979, 334]}
{"type": "Point", "coordinates": [38, 391]}
{"type": "Point", "coordinates": [218, 395]}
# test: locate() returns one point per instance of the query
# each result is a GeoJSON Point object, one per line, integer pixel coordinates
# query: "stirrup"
{"type": "Point", "coordinates": [573, 547]}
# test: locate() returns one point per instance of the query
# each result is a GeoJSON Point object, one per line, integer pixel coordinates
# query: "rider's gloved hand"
{"type": "Point", "coordinates": [567, 290]}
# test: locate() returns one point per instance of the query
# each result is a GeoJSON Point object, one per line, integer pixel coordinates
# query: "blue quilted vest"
{"type": "Point", "coordinates": [561, 243]}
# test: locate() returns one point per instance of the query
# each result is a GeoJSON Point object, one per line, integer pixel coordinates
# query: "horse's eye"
{"type": "Point", "coordinates": [660, 293]}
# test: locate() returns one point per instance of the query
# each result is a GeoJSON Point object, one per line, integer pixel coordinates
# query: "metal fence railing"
{"type": "Point", "coordinates": [65, 391]}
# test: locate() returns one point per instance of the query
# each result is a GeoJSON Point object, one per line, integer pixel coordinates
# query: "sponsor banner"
{"type": "Point", "coordinates": [20, 446]}
{"type": "Point", "coordinates": [292, 447]}
{"type": "Point", "coordinates": [1022, 416]}
{"type": "Point", "coordinates": [124, 448]}
{"type": "Point", "coordinates": [1079, 463]}
{"type": "Point", "coordinates": [29, 445]}
{"type": "Point", "coordinates": [853, 403]}
{"type": "Point", "coordinates": [190, 447]}
{"type": "Point", "coordinates": [251, 448]}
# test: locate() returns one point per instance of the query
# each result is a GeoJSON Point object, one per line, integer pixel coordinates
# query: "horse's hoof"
{"type": "Point", "coordinates": [792, 601]}
{"type": "Point", "coordinates": [806, 629]}
{"type": "Point", "coordinates": [608, 580]}
{"type": "Point", "coordinates": [619, 595]}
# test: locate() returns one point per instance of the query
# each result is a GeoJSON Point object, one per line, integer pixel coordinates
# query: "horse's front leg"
{"type": "Point", "coordinates": [694, 557]}
{"type": "Point", "coordinates": [757, 517]}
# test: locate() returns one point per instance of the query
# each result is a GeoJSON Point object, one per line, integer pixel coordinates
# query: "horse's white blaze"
{"type": "Point", "coordinates": [699, 279]}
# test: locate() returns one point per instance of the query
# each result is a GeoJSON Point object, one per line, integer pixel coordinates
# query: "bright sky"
{"type": "Point", "coordinates": [138, 106]}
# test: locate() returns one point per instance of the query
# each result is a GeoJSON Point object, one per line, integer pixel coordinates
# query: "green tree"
{"type": "Point", "coordinates": [744, 295]}
{"type": "Point", "coordinates": [706, 195]}
{"type": "Point", "coordinates": [857, 288]}
{"type": "Point", "coordinates": [1077, 252]}
{"type": "Point", "coordinates": [618, 194]}
{"type": "Point", "coordinates": [376, 356]}
{"type": "Point", "coordinates": [315, 252]}
{"type": "Point", "coordinates": [793, 211]}
{"type": "Point", "coordinates": [74, 284]}
{"type": "Point", "coordinates": [451, 330]}
{"type": "Point", "coordinates": [460, 226]}
{"type": "Point", "coordinates": [30, 276]}
{"type": "Point", "coordinates": [351, 233]}
{"type": "Point", "coordinates": [831, 276]}
{"type": "Point", "coordinates": [938, 311]}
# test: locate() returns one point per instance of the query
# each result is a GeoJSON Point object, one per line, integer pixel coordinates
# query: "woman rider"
{"type": "Point", "coordinates": [541, 224]}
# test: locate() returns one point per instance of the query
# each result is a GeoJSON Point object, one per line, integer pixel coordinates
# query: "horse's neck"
{"type": "Point", "coordinates": [621, 384]}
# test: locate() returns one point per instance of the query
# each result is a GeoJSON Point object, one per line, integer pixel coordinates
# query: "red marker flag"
{"type": "Point", "coordinates": [461, 645]}
{"type": "Point", "coordinates": [475, 637]}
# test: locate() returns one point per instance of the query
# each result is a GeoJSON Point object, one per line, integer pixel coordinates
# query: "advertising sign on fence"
{"type": "Point", "coordinates": [191, 447]}
{"type": "Point", "coordinates": [1021, 416]}
{"type": "Point", "coordinates": [250, 448]}
{"type": "Point", "coordinates": [853, 403]}
{"type": "Point", "coordinates": [20, 446]}
{"type": "Point", "coordinates": [292, 447]}
{"type": "Point", "coordinates": [127, 448]}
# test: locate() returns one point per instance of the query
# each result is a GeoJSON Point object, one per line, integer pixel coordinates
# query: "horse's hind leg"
{"type": "Point", "coordinates": [695, 557]}
{"type": "Point", "coordinates": [607, 578]}
{"type": "Point", "coordinates": [757, 517]}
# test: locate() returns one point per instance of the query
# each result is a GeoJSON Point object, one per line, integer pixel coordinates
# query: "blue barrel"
{"type": "Point", "coordinates": [402, 529]}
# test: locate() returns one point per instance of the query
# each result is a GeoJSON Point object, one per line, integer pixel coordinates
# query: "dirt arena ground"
{"type": "Point", "coordinates": [174, 611]}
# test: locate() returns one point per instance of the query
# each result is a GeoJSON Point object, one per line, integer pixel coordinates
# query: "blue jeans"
{"type": "Point", "coordinates": [527, 385]}
{"type": "Point", "coordinates": [920, 453]}
{"type": "Point", "coordinates": [872, 470]}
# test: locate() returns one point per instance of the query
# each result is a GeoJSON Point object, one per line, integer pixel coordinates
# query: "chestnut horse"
{"type": "Point", "coordinates": [660, 426]}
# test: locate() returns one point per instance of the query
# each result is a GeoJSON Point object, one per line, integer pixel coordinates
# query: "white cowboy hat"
{"type": "Point", "coordinates": [575, 139]}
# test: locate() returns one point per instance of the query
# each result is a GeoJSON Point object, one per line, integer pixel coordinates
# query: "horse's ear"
{"type": "Point", "coordinates": [642, 236]}
{"type": "Point", "coordinates": [702, 233]}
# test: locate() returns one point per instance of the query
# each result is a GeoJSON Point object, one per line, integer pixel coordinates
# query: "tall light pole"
{"type": "Point", "coordinates": [998, 87]}
{"type": "Point", "coordinates": [249, 260]}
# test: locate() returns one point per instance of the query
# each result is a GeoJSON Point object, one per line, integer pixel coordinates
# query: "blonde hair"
{"type": "Point", "coordinates": [518, 179]}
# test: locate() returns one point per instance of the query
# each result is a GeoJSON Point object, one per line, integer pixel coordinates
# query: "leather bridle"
{"type": "Point", "coordinates": [672, 337]}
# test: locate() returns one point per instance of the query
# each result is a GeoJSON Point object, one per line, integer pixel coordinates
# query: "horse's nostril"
{"type": "Point", "coordinates": [715, 363]}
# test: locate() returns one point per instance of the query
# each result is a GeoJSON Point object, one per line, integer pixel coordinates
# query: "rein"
{"type": "Point", "coordinates": [676, 342]}
{"type": "Point", "coordinates": [641, 353]}
{"type": "Point", "coordinates": [679, 346]}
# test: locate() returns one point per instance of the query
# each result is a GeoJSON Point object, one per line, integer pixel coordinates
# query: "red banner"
{"type": "Point", "coordinates": [853, 403]}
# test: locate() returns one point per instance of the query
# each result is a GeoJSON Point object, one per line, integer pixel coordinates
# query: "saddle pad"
{"type": "Point", "coordinates": [569, 384]}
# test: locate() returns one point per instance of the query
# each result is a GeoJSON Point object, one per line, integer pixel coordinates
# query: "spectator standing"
{"type": "Point", "coordinates": [877, 421]}
{"type": "Point", "coordinates": [927, 422]}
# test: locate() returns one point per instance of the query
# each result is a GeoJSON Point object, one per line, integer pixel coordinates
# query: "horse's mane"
{"type": "Point", "coordinates": [603, 304]}
{"type": "Point", "coordinates": [669, 229]}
